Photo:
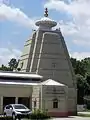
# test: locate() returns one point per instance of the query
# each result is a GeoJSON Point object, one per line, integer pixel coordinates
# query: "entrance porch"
{"type": "Point", "coordinates": [13, 93]}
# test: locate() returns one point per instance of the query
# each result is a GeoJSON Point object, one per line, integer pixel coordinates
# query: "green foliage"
{"type": "Point", "coordinates": [83, 115]}
{"type": "Point", "coordinates": [38, 114]}
{"type": "Point", "coordinates": [11, 65]}
{"type": "Point", "coordinates": [5, 68]}
{"type": "Point", "coordinates": [5, 118]}
{"type": "Point", "coordinates": [80, 88]}
{"type": "Point", "coordinates": [86, 63]}
{"type": "Point", "coordinates": [82, 72]}
{"type": "Point", "coordinates": [79, 67]}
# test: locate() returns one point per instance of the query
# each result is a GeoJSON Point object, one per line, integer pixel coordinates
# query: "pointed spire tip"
{"type": "Point", "coordinates": [46, 12]}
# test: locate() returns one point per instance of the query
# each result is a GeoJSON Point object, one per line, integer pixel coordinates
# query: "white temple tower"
{"type": "Point", "coordinates": [46, 54]}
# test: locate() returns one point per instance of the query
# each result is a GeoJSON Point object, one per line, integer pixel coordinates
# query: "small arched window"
{"type": "Point", "coordinates": [21, 64]}
{"type": "Point", "coordinates": [55, 103]}
{"type": "Point", "coordinates": [35, 103]}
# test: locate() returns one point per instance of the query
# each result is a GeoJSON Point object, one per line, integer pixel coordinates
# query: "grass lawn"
{"type": "Point", "coordinates": [87, 110]}
{"type": "Point", "coordinates": [83, 114]}
{"type": "Point", "coordinates": [34, 119]}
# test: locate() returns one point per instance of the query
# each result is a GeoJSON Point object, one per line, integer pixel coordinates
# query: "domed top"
{"type": "Point", "coordinates": [45, 21]}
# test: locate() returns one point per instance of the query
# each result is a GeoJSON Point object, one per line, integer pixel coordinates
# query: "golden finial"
{"type": "Point", "coordinates": [46, 12]}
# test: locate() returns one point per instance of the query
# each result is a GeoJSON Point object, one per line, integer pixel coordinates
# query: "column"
{"type": "Point", "coordinates": [30, 100]}
{"type": "Point", "coordinates": [1, 104]}
{"type": "Point", "coordinates": [16, 100]}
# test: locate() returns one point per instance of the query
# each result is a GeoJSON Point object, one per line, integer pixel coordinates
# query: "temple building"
{"type": "Point", "coordinates": [45, 55]}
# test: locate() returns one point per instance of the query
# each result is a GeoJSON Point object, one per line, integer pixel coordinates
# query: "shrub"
{"type": "Point", "coordinates": [5, 118]}
{"type": "Point", "coordinates": [38, 114]}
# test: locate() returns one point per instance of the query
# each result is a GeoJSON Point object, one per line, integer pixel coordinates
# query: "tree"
{"type": "Point", "coordinates": [88, 84]}
{"type": "Point", "coordinates": [74, 62]}
{"type": "Point", "coordinates": [82, 72]}
{"type": "Point", "coordinates": [80, 88]}
{"type": "Point", "coordinates": [86, 63]}
{"type": "Point", "coordinates": [5, 68]}
{"type": "Point", "coordinates": [78, 66]}
{"type": "Point", "coordinates": [13, 63]}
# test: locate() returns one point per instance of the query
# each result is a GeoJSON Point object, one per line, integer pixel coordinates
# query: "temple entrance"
{"type": "Point", "coordinates": [25, 101]}
{"type": "Point", "coordinates": [8, 100]}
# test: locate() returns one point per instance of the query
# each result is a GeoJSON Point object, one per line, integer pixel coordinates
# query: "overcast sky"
{"type": "Point", "coordinates": [17, 18]}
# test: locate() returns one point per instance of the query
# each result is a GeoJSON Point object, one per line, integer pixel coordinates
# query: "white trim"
{"type": "Point", "coordinates": [52, 82]}
{"type": "Point", "coordinates": [18, 83]}
{"type": "Point", "coordinates": [34, 51]}
{"type": "Point", "coordinates": [21, 75]}
{"type": "Point", "coordinates": [40, 54]}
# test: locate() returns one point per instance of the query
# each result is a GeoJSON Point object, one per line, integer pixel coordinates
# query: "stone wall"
{"type": "Point", "coordinates": [51, 93]}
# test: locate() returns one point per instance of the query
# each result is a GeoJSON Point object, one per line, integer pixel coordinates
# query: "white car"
{"type": "Point", "coordinates": [16, 111]}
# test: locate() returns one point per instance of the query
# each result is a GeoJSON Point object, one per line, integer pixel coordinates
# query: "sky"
{"type": "Point", "coordinates": [17, 21]}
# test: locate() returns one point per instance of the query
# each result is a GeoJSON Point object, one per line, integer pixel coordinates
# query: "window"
{"type": "Point", "coordinates": [53, 65]}
{"type": "Point", "coordinates": [21, 64]}
{"type": "Point", "coordinates": [19, 107]}
{"type": "Point", "coordinates": [34, 104]}
{"type": "Point", "coordinates": [8, 107]}
{"type": "Point", "coordinates": [55, 103]}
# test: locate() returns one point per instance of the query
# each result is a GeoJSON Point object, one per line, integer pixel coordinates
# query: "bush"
{"type": "Point", "coordinates": [5, 118]}
{"type": "Point", "coordinates": [37, 114]}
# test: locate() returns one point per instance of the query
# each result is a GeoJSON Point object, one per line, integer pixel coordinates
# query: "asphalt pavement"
{"type": "Point", "coordinates": [73, 118]}
{"type": "Point", "coordinates": [69, 118]}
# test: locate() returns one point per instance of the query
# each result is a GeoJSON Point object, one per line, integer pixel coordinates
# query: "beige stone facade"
{"type": "Point", "coordinates": [46, 93]}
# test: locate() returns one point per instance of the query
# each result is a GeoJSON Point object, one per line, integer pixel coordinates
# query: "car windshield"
{"type": "Point", "coordinates": [19, 107]}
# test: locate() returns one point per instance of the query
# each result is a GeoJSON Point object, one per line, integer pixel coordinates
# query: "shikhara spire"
{"type": "Point", "coordinates": [46, 12]}
{"type": "Point", "coordinates": [46, 54]}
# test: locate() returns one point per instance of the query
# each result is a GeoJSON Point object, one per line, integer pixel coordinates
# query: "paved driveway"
{"type": "Point", "coordinates": [70, 118]}
{"type": "Point", "coordinates": [73, 118]}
